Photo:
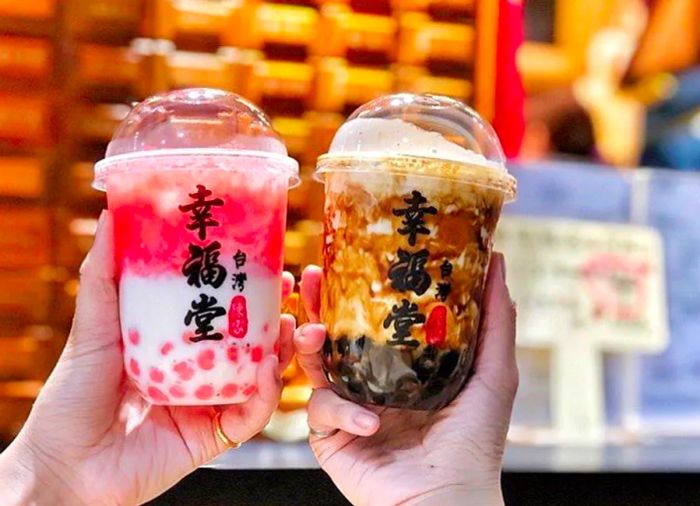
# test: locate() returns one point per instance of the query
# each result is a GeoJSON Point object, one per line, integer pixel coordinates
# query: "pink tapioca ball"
{"type": "Point", "coordinates": [134, 367]}
{"type": "Point", "coordinates": [134, 337]}
{"type": "Point", "coordinates": [184, 371]}
{"type": "Point", "coordinates": [232, 354]}
{"type": "Point", "coordinates": [204, 392]}
{"type": "Point", "coordinates": [205, 359]}
{"type": "Point", "coordinates": [155, 394]}
{"type": "Point", "coordinates": [156, 375]}
{"type": "Point", "coordinates": [166, 348]}
{"type": "Point", "coordinates": [256, 354]}
{"type": "Point", "coordinates": [249, 390]}
{"type": "Point", "coordinates": [266, 328]}
{"type": "Point", "coordinates": [229, 390]}
{"type": "Point", "coordinates": [177, 391]}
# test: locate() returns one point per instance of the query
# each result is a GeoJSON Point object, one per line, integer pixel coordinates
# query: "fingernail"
{"type": "Point", "coordinates": [364, 420]}
{"type": "Point", "coordinates": [308, 328]}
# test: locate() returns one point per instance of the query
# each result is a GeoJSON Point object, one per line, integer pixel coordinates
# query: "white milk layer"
{"type": "Point", "coordinates": [391, 137]}
{"type": "Point", "coordinates": [168, 364]}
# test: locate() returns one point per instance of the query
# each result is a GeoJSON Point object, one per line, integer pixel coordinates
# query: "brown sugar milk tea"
{"type": "Point", "coordinates": [414, 189]}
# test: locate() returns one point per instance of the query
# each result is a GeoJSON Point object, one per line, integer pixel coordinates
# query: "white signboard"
{"type": "Point", "coordinates": [584, 288]}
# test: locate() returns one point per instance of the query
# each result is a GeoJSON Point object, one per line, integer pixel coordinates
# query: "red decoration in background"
{"type": "Point", "coordinates": [617, 286]}
{"type": "Point", "coordinates": [509, 115]}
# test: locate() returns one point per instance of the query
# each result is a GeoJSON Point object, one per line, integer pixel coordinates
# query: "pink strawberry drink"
{"type": "Point", "coordinates": [197, 182]}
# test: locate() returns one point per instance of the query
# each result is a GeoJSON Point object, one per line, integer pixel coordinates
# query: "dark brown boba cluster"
{"type": "Point", "coordinates": [426, 378]}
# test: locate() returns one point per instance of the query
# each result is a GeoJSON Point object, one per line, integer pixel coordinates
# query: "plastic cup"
{"type": "Point", "coordinates": [414, 190]}
{"type": "Point", "coordinates": [197, 183]}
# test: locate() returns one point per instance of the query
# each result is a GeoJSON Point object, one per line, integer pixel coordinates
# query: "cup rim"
{"type": "Point", "coordinates": [496, 178]}
{"type": "Point", "coordinates": [105, 167]}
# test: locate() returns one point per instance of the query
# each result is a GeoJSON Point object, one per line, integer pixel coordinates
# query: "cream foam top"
{"type": "Point", "coordinates": [387, 137]}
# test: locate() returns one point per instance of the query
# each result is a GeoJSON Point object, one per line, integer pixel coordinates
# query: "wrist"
{"type": "Point", "coordinates": [459, 494]}
{"type": "Point", "coordinates": [26, 480]}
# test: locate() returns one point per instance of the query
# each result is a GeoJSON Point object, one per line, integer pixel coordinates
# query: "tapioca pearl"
{"type": "Point", "coordinates": [166, 348]}
{"type": "Point", "coordinates": [204, 392]}
{"type": "Point", "coordinates": [229, 390]}
{"type": "Point", "coordinates": [134, 337]}
{"type": "Point", "coordinates": [256, 354]}
{"type": "Point", "coordinates": [156, 375]}
{"type": "Point", "coordinates": [232, 354]}
{"type": "Point", "coordinates": [134, 367]}
{"type": "Point", "coordinates": [184, 371]}
{"type": "Point", "coordinates": [156, 394]}
{"type": "Point", "coordinates": [177, 391]}
{"type": "Point", "coordinates": [249, 390]}
{"type": "Point", "coordinates": [266, 328]}
{"type": "Point", "coordinates": [205, 359]}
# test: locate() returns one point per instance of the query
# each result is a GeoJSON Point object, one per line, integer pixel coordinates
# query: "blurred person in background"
{"type": "Point", "coordinates": [667, 64]}
{"type": "Point", "coordinates": [637, 101]}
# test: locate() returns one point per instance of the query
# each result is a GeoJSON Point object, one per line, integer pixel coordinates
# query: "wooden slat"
{"type": "Point", "coordinates": [29, 9]}
{"type": "Point", "coordinates": [25, 57]}
{"type": "Point", "coordinates": [104, 17]}
{"type": "Point", "coordinates": [24, 296]}
{"type": "Point", "coordinates": [22, 177]}
{"type": "Point", "coordinates": [341, 30]}
{"type": "Point", "coordinates": [13, 412]}
{"type": "Point", "coordinates": [20, 357]}
{"type": "Point", "coordinates": [202, 17]}
{"type": "Point", "coordinates": [187, 69]}
{"type": "Point", "coordinates": [282, 79]}
{"type": "Point", "coordinates": [295, 132]}
{"type": "Point", "coordinates": [107, 65]}
{"type": "Point", "coordinates": [22, 390]}
{"type": "Point", "coordinates": [287, 24]}
{"type": "Point", "coordinates": [24, 237]}
{"type": "Point", "coordinates": [98, 122]}
{"type": "Point", "coordinates": [422, 40]}
{"type": "Point", "coordinates": [25, 118]}
{"type": "Point", "coordinates": [365, 84]}
{"type": "Point", "coordinates": [418, 80]}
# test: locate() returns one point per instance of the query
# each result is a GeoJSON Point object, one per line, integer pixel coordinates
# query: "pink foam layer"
{"type": "Point", "coordinates": [151, 234]}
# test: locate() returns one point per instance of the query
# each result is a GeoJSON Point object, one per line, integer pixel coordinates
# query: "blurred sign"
{"type": "Point", "coordinates": [583, 288]}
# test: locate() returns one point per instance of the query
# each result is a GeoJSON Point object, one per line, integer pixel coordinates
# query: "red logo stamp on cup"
{"type": "Point", "coordinates": [238, 317]}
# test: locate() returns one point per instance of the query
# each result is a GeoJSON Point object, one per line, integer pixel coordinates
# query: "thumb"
{"type": "Point", "coordinates": [96, 318]}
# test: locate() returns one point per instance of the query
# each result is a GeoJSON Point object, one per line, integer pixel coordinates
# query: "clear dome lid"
{"type": "Point", "coordinates": [420, 127]}
{"type": "Point", "coordinates": [197, 121]}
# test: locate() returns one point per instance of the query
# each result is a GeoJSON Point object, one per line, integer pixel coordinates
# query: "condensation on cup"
{"type": "Point", "coordinates": [414, 189]}
{"type": "Point", "coordinates": [197, 184]}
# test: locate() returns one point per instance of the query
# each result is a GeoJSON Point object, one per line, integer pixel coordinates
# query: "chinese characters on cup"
{"type": "Point", "coordinates": [202, 268]}
{"type": "Point", "coordinates": [409, 273]}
